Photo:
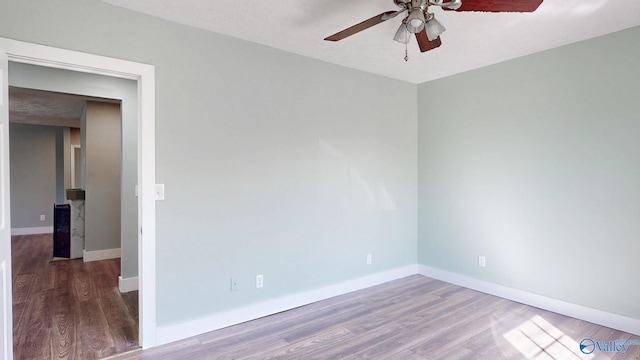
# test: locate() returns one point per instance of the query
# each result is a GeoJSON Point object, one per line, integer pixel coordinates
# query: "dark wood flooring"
{"type": "Point", "coordinates": [412, 318]}
{"type": "Point", "coordinates": [68, 309]}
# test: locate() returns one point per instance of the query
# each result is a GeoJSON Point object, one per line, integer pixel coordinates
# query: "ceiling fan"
{"type": "Point", "coordinates": [423, 24]}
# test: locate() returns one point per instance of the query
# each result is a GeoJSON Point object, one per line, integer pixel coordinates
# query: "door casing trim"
{"type": "Point", "coordinates": [144, 75]}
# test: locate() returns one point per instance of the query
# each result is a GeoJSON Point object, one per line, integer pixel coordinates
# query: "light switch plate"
{"type": "Point", "coordinates": [159, 191]}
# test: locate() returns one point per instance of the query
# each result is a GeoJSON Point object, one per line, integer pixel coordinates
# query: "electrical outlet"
{"type": "Point", "coordinates": [234, 284]}
{"type": "Point", "coordinates": [259, 281]}
{"type": "Point", "coordinates": [482, 262]}
{"type": "Point", "coordinates": [42, 217]}
{"type": "Point", "coordinates": [368, 259]}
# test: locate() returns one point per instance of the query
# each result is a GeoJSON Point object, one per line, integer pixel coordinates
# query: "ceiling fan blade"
{"type": "Point", "coordinates": [362, 26]}
{"type": "Point", "coordinates": [424, 43]}
{"type": "Point", "coordinates": [500, 5]}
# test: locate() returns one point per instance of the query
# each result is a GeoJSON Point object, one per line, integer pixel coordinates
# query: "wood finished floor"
{"type": "Point", "coordinates": [409, 319]}
{"type": "Point", "coordinates": [68, 309]}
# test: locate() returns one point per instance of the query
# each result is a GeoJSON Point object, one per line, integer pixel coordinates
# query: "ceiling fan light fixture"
{"type": "Point", "coordinates": [402, 35]}
{"type": "Point", "coordinates": [415, 21]}
{"type": "Point", "coordinates": [453, 5]}
{"type": "Point", "coordinates": [420, 22]}
{"type": "Point", "coordinates": [434, 28]}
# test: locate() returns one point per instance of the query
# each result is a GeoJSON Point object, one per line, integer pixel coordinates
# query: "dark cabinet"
{"type": "Point", "coordinates": [62, 231]}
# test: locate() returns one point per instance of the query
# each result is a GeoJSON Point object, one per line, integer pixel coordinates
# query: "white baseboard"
{"type": "Point", "coordinates": [98, 255]}
{"type": "Point", "coordinates": [169, 333]}
{"type": "Point", "coordinates": [32, 230]}
{"type": "Point", "coordinates": [127, 284]}
{"type": "Point", "coordinates": [595, 316]}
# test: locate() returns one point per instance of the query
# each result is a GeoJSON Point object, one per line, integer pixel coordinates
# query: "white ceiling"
{"type": "Point", "coordinates": [472, 39]}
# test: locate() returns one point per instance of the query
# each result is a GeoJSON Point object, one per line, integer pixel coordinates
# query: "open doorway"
{"type": "Point", "coordinates": [68, 307]}
{"type": "Point", "coordinates": [20, 52]}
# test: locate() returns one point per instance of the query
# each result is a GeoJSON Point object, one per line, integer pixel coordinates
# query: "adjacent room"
{"type": "Point", "coordinates": [468, 193]}
{"type": "Point", "coordinates": [68, 215]}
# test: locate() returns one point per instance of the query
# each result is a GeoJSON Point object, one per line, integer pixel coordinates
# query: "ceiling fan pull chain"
{"type": "Point", "coordinates": [406, 53]}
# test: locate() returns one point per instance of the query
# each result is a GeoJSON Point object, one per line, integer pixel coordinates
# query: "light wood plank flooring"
{"type": "Point", "coordinates": [68, 309]}
{"type": "Point", "coordinates": [412, 318]}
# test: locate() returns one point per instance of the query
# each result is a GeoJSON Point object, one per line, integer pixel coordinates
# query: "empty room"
{"type": "Point", "coordinates": [302, 186]}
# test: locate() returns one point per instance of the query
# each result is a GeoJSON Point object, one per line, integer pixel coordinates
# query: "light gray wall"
{"type": "Point", "coordinates": [33, 174]}
{"type": "Point", "coordinates": [61, 166]}
{"type": "Point", "coordinates": [83, 149]}
{"type": "Point", "coordinates": [534, 163]}
{"type": "Point", "coordinates": [34, 77]}
{"type": "Point", "coordinates": [273, 163]}
{"type": "Point", "coordinates": [63, 162]}
{"type": "Point", "coordinates": [102, 187]}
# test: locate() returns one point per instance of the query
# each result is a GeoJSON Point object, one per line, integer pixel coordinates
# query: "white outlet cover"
{"type": "Point", "coordinates": [482, 262]}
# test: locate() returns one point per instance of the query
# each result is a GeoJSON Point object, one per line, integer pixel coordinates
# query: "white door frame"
{"type": "Point", "coordinates": [22, 52]}
{"type": "Point", "coordinates": [6, 332]}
